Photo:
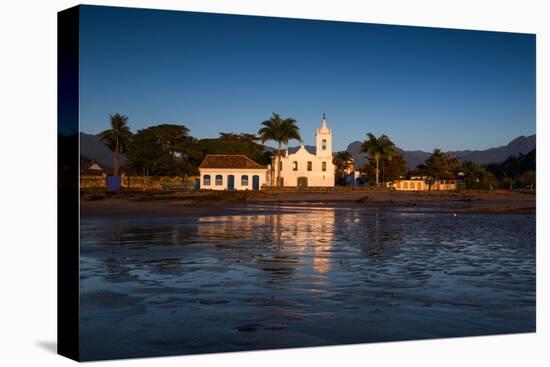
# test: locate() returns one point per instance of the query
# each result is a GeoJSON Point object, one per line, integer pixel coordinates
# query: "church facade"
{"type": "Point", "coordinates": [305, 168]}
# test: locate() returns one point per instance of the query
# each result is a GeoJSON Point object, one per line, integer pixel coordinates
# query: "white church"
{"type": "Point", "coordinates": [302, 168]}
{"type": "Point", "coordinates": [308, 168]}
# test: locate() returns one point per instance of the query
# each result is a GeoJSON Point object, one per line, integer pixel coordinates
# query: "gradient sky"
{"type": "Point", "coordinates": [424, 87]}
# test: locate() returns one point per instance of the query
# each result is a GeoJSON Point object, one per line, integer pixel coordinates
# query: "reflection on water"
{"type": "Point", "coordinates": [301, 277]}
{"type": "Point", "coordinates": [286, 238]}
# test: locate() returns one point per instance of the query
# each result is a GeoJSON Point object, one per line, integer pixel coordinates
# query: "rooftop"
{"type": "Point", "coordinates": [229, 161]}
{"type": "Point", "coordinates": [291, 150]}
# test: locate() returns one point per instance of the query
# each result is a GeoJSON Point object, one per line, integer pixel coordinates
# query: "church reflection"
{"type": "Point", "coordinates": [280, 241]}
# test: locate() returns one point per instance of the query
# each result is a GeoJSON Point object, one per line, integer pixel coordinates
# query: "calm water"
{"type": "Point", "coordinates": [301, 277]}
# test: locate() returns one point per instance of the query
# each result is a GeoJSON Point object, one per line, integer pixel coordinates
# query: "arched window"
{"type": "Point", "coordinates": [206, 180]}
{"type": "Point", "coordinates": [219, 180]}
{"type": "Point", "coordinates": [324, 166]}
{"type": "Point", "coordinates": [309, 164]}
{"type": "Point", "coordinates": [295, 166]}
{"type": "Point", "coordinates": [324, 144]}
{"type": "Point", "coordinates": [244, 180]}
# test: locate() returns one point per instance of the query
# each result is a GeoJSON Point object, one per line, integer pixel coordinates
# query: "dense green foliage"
{"type": "Point", "coordinates": [439, 166]}
{"type": "Point", "coordinates": [163, 150]}
{"type": "Point", "coordinates": [392, 167]}
{"type": "Point", "coordinates": [476, 176]}
{"type": "Point", "coordinates": [169, 150]}
{"type": "Point", "coordinates": [516, 171]}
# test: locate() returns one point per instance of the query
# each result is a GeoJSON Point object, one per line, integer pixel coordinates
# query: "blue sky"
{"type": "Point", "coordinates": [424, 87]}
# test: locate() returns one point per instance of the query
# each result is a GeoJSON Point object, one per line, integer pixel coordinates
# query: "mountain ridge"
{"type": "Point", "coordinates": [519, 145]}
{"type": "Point", "coordinates": [91, 148]}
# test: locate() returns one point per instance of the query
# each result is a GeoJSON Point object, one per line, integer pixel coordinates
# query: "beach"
{"type": "Point", "coordinates": [186, 273]}
{"type": "Point", "coordinates": [200, 203]}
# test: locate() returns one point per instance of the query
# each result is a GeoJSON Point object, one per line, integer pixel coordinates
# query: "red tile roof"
{"type": "Point", "coordinates": [229, 161]}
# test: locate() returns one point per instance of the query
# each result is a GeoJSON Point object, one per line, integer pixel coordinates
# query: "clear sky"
{"type": "Point", "coordinates": [424, 87]}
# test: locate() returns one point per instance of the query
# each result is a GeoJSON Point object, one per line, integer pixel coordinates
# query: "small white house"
{"type": "Point", "coordinates": [304, 168]}
{"type": "Point", "coordinates": [231, 172]}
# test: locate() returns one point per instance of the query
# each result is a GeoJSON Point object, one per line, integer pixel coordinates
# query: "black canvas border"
{"type": "Point", "coordinates": [68, 207]}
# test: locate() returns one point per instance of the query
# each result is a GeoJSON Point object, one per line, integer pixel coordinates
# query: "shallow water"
{"type": "Point", "coordinates": [301, 277]}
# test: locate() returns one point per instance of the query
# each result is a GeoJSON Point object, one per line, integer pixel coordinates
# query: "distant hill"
{"type": "Point", "coordinates": [412, 157]}
{"type": "Point", "coordinates": [521, 144]}
{"type": "Point", "coordinates": [91, 148]}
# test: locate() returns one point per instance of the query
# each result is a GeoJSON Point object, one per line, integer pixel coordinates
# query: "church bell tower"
{"type": "Point", "coordinates": [324, 140]}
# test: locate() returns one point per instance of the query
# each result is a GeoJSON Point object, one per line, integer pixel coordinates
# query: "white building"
{"type": "Point", "coordinates": [231, 172]}
{"type": "Point", "coordinates": [304, 168]}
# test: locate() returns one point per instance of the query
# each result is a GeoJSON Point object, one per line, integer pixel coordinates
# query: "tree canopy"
{"type": "Point", "coordinates": [439, 166]}
{"type": "Point", "coordinates": [509, 173]}
{"type": "Point", "coordinates": [392, 167]}
{"type": "Point", "coordinates": [476, 176]}
{"type": "Point", "coordinates": [163, 150]}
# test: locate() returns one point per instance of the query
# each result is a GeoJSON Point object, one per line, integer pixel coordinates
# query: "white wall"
{"type": "Point", "coordinates": [315, 178]}
{"type": "Point", "coordinates": [235, 172]}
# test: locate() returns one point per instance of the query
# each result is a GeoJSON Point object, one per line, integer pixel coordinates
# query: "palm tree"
{"type": "Point", "coordinates": [378, 148]}
{"type": "Point", "coordinates": [117, 138]}
{"type": "Point", "coordinates": [344, 156]}
{"type": "Point", "coordinates": [279, 130]}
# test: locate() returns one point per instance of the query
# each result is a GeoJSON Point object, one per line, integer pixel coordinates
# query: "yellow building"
{"type": "Point", "coordinates": [421, 185]}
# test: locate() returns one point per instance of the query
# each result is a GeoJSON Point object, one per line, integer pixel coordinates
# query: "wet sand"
{"type": "Point", "coordinates": [183, 204]}
{"type": "Point", "coordinates": [299, 275]}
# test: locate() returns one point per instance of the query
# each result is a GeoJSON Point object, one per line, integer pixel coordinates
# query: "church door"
{"type": "Point", "coordinates": [302, 181]}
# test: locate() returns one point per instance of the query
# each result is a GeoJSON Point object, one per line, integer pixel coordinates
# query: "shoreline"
{"type": "Point", "coordinates": [204, 203]}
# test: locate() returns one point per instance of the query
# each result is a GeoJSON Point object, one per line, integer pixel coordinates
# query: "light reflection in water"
{"type": "Point", "coordinates": [301, 277]}
{"type": "Point", "coordinates": [309, 235]}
